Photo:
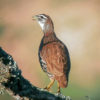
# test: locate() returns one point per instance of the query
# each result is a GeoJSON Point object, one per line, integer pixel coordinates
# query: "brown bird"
{"type": "Point", "coordinates": [53, 54]}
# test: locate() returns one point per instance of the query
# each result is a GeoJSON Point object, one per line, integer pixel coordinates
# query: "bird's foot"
{"type": "Point", "coordinates": [48, 89]}
{"type": "Point", "coordinates": [58, 91]}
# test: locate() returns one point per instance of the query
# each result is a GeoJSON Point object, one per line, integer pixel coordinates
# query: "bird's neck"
{"type": "Point", "coordinates": [48, 28]}
{"type": "Point", "coordinates": [49, 34]}
{"type": "Point", "coordinates": [49, 38]}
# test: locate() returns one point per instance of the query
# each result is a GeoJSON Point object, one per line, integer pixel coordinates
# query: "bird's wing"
{"type": "Point", "coordinates": [56, 58]}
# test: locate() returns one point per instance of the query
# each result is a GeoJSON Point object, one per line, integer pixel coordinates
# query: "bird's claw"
{"type": "Point", "coordinates": [59, 92]}
{"type": "Point", "coordinates": [48, 89]}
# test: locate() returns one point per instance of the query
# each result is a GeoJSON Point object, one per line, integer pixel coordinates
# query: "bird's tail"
{"type": "Point", "coordinates": [62, 80]}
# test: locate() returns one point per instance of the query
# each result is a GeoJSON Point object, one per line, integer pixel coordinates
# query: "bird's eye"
{"type": "Point", "coordinates": [41, 16]}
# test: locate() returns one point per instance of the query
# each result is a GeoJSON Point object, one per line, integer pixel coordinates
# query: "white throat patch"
{"type": "Point", "coordinates": [41, 24]}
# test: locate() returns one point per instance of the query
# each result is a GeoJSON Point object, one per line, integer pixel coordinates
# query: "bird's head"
{"type": "Point", "coordinates": [45, 22]}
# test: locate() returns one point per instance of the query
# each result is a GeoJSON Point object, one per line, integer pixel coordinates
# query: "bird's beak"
{"type": "Point", "coordinates": [34, 17]}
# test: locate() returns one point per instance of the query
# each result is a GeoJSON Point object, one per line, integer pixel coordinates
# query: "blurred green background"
{"type": "Point", "coordinates": [77, 24]}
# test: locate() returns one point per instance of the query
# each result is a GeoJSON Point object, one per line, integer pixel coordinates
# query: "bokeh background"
{"type": "Point", "coordinates": [77, 24]}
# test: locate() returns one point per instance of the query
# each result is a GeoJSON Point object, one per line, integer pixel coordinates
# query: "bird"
{"type": "Point", "coordinates": [53, 55]}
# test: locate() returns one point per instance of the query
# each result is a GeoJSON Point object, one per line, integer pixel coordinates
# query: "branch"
{"type": "Point", "coordinates": [17, 86]}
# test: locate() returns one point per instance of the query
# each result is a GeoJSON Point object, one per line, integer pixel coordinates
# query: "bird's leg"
{"type": "Point", "coordinates": [50, 84]}
{"type": "Point", "coordinates": [58, 90]}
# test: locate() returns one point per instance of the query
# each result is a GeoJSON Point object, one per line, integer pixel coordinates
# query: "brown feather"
{"type": "Point", "coordinates": [54, 53]}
